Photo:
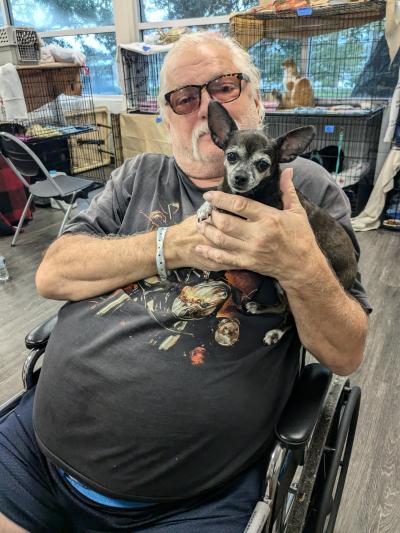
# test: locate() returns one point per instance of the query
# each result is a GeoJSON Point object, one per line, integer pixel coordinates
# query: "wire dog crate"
{"type": "Point", "coordinates": [330, 67]}
{"type": "Point", "coordinates": [141, 69]}
{"type": "Point", "coordinates": [345, 146]}
{"type": "Point", "coordinates": [19, 46]}
{"type": "Point", "coordinates": [61, 123]}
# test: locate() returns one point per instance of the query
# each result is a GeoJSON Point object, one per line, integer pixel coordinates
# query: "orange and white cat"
{"type": "Point", "coordinates": [298, 91]}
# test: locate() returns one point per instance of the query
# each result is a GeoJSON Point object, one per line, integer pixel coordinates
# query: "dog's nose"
{"type": "Point", "coordinates": [240, 181]}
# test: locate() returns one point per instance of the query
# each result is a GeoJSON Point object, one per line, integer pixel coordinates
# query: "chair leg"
{"type": "Point", "coordinates": [60, 206]}
{"type": "Point", "coordinates": [21, 220]}
{"type": "Point", "coordinates": [67, 214]}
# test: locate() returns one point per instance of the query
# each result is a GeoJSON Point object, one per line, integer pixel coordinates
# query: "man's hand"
{"type": "Point", "coordinates": [281, 244]}
{"type": "Point", "coordinates": [266, 240]}
{"type": "Point", "coordinates": [181, 242]}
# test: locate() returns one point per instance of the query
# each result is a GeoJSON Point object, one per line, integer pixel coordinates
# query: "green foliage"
{"type": "Point", "coordinates": [179, 9]}
{"type": "Point", "coordinates": [101, 48]}
{"type": "Point", "coordinates": [268, 56]}
{"type": "Point", "coordinates": [47, 15]}
{"type": "Point", "coordinates": [98, 12]}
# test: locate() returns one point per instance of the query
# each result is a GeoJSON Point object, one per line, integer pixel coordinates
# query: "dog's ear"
{"type": "Point", "coordinates": [221, 124]}
{"type": "Point", "coordinates": [294, 143]}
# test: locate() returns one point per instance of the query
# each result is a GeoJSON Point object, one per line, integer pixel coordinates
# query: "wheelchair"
{"type": "Point", "coordinates": [309, 459]}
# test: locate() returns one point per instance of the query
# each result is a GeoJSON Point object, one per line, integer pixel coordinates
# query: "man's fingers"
{"type": "Point", "coordinates": [229, 224]}
{"type": "Point", "coordinates": [290, 199]}
{"type": "Point", "coordinates": [222, 258]}
{"type": "Point", "coordinates": [239, 205]}
{"type": "Point", "coordinates": [218, 237]}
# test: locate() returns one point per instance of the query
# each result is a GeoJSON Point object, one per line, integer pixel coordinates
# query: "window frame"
{"type": "Point", "coordinates": [177, 23]}
{"type": "Point", "coordinates": [127, 26]}
{"type": "Point", "coordinates": [68, 32]}
{"type": "Point", "coordinates": [5, 9]}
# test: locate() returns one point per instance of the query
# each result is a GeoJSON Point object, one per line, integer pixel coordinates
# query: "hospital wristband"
{"type": "Point", "coordinates": [160, 260]}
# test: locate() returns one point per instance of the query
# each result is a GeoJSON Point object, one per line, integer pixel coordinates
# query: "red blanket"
{"type": "Point", "coordinates": [12, 199]}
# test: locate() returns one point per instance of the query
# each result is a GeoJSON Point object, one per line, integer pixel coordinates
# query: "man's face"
{"type": "Point", "coordinates": [189, 143]}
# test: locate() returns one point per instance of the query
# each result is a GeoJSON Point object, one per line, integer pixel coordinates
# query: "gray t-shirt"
{"type": "Point", "coordinates": [163, 391]}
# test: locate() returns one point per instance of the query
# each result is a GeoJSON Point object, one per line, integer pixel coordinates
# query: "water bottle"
{"type": "Point", "coordinates": [4, 275]}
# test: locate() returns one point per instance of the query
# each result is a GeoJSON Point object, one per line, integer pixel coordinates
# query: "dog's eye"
{"type": "Point", "coordinates": [231, 157]}
{"type": "Point", "coordinates": [262, 165]}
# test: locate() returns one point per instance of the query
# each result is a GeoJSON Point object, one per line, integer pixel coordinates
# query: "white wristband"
{"type": "Point", "coordinates": [160, 260]}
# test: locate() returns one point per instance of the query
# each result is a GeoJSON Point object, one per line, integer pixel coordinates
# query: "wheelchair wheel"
{"type": "Point", "coordinates": [332, 472]}
{"type": "Point", "coordinates": [320, 487]}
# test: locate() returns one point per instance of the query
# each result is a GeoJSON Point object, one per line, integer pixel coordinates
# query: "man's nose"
{"type": "Point", "coordinates": [204, 101]}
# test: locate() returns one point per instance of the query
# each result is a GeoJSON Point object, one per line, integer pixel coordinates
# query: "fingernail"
{"type": "Point", "coordinates": [208, 195]}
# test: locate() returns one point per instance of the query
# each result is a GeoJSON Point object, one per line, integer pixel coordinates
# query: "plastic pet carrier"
{"type": "Point", "coordinates": [19, 46]}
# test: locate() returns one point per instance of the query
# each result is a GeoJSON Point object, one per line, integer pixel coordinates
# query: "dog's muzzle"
{"type": "Point", "coordinates": [240, 181]}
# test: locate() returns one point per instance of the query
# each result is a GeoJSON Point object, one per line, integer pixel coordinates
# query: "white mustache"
{"type": "Point", "coordinates": [200, 130]}
{"type": "Point", "coordinates": [203, 128]}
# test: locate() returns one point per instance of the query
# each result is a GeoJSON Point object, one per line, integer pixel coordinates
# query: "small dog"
{"type": "Point", "coordinates": [252, 169]}
{"type": "Point", "coordinates": [298, 91]}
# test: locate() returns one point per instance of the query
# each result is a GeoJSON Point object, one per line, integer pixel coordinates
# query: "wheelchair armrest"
{"type": "Point", "coordinates": [304, 406]}
{"type": "Point", "coordinates": [38, 337]}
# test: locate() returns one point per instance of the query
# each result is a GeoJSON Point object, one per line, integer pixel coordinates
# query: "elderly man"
{"type": "Point", "coordinates": [157, 401]}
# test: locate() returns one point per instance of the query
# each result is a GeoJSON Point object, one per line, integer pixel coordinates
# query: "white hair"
{"type": "Point", "coordinates": [191, 41]}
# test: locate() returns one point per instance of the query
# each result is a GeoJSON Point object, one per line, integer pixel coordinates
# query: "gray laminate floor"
{"type": "Point", "coordinates": [371, 503]}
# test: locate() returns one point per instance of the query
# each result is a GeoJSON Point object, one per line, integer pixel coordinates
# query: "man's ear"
{"type": "Point", "coordinates": [221, 124]}
{"type": "Point", "coordinates": [258, 103]}
{"type": "Point", "coordinates": [294, 143]}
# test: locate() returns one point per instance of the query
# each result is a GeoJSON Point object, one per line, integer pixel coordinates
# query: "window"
{"type": "Point", "coordinates": [157, 10]}
{"type": "Point", "coordinates": [49, 15]}
{"type": "Point", "coordinates": [59, 22]}
{"type": "Point", "coordinates": [270, 65]}
{"type": "Point", "coordinates": [99, 49]}
{"type": "Point", "coordinates": [338, 59]}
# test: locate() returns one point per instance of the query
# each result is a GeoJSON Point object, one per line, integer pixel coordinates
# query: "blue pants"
{"type": "Point", "coordinates": [36, 497]}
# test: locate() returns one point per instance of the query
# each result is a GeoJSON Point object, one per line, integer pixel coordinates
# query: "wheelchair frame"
{"type": "Point", "coordinates": [309, 461]}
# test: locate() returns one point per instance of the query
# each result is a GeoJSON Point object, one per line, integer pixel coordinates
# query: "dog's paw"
{"type": "Point", "coordinates": [253, 308]}
{"type": "Point", "coordinates": [204, 211]}
{"type": "Point", "coordinates": [273, 336]}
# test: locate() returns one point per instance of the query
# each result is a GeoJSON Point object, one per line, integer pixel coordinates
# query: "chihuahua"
{"type": "Point", "coordinates": [252, 169]}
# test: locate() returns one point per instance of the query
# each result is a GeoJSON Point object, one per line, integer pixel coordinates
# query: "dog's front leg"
{"type": "Point", "coordinates": [282, 307]}
{"type": "Point", "coordinates": [204, 211]}
{"type": "Point", "coordinates": [274, 335]}
{"type": "Point", "coordinates": [202, 214]}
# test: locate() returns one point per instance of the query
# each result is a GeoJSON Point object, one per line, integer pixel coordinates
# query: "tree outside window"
{"type": "Point", "coordinates": [57, 15]}
{"type": "Point", "coordinates": [48, 15]}
{"type": "Point", "coordinates": [99, 49]}
{"type": "Point", "coordinates": [157, 10]}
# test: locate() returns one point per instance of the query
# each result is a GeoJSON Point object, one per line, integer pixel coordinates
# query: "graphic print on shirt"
{"type": "Point", "coordinates": [222, 301]}
{"type": "Point", "coordinates": [161, 217]}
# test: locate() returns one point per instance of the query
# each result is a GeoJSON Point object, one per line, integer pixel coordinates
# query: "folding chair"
{"type": "Point", "coordinates": [26, 164]}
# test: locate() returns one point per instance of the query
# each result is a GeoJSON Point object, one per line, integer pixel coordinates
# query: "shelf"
{"type": "Point", "coordinates": [48, 66]}
{"type": "Point", "coordinates": [69, 131]}
{"type": "Point", "coordinates": [249, 28]}
{"type": "Point", "coordinates": [310, 112]}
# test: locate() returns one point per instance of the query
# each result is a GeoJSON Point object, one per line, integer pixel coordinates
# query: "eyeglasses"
{"type": "Point", "coordinates": [224, 89]}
